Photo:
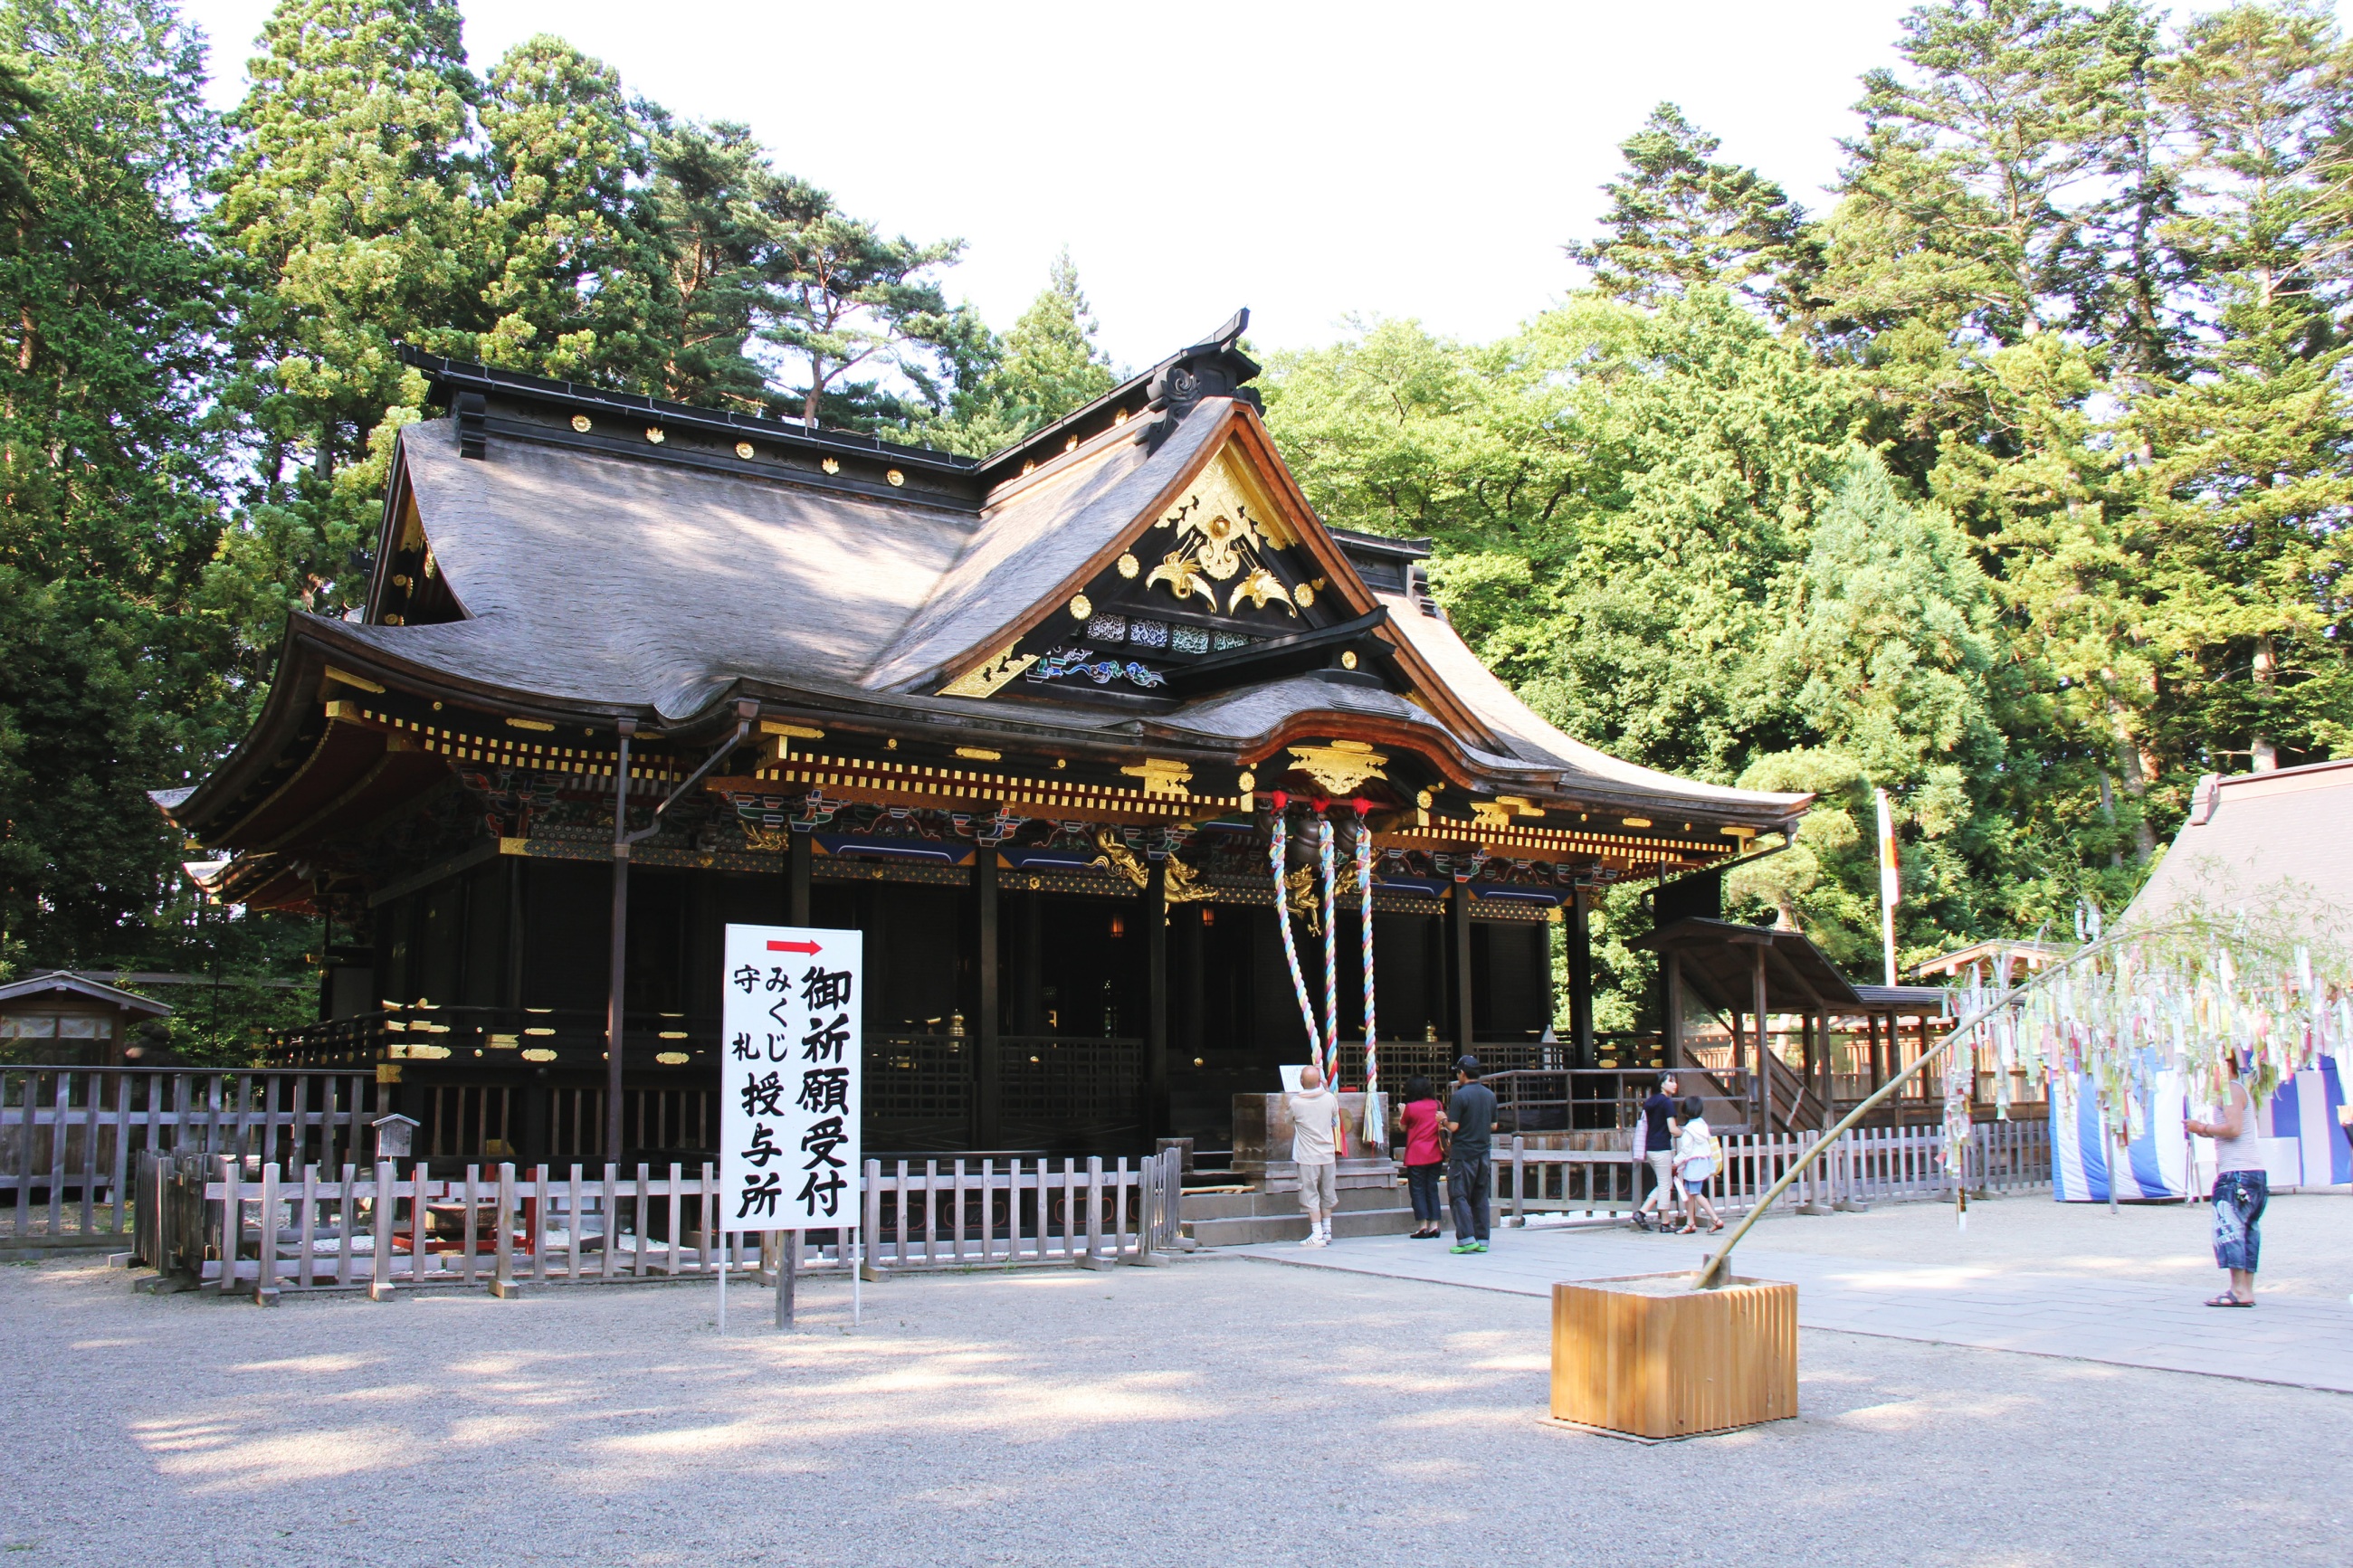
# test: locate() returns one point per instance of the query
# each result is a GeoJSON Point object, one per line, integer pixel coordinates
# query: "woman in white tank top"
{"type": "Point", "coordinates": [2240, 1188]}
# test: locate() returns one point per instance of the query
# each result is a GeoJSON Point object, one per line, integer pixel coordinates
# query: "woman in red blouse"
{"type": "Point", "coordinates": [1425, 1153]}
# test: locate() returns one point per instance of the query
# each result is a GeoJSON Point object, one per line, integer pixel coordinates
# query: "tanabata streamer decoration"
{"type": "Point", "coordinates": [2177, 997]}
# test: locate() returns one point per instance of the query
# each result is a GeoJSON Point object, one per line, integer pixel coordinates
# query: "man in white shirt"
{"type": "Point", "coordinates": [1314, 1113]}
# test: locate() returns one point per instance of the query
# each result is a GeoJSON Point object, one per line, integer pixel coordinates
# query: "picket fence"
{"type": "Point", "coordinates": [70, 1137]}
{"type": "Point", "coordinates": [230, 1226]}
{"type": "Point", "coordinates": [1866, 1165]}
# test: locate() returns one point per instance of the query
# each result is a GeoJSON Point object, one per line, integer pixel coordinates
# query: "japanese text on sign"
{"type": "Point", "coordinates": [789, 1124]}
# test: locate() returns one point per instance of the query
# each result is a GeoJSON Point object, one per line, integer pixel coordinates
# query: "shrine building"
{"type": "Point", "coordinates": [1025, 721]}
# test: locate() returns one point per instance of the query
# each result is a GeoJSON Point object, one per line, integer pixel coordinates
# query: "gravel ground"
{"type": "Point", "coordinates": [1216, 1412]}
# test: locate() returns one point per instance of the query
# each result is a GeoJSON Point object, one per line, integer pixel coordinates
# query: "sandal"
{"type": "Point", "coordinates": [2227, 1299]}
{"type": "Point", "coordinates": [1717, 1226]}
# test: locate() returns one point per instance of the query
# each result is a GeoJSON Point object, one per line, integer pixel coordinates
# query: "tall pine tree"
{"type": "Point", "coordinates": [109, 461]}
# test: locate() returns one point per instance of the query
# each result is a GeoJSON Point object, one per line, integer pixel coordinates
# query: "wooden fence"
{"type": "Point", "coordinates": [377, 1229]}
{"type": "Point", "coordinates": [1868, 1165]}
{"type": "Point", "coordinates": [70, 1138]}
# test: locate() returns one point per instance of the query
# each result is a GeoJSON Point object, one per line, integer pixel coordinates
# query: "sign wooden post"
{"type": "Point", "coordinates": [789, 1148]}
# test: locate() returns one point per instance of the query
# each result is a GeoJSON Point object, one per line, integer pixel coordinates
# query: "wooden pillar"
{"type": "Point", "coordinates": [988, 1077]}
{"type": "Point", "coordinates": [1581, 977]}
{"type": "Point", "coordinates": [1671, 1023]}
{"type": "Point", "coordinates": [797, 855]}
{"type": "Point", "coordinates": [1030, 987]}
{"type": "Point", "coordinates": [1156, 999]}
{"type": "Point", "coordinates": [1458, 917]}
{"type": "Point", "coordinates": [510, 992]}
{"type": "Point", "coordinates": [1761, 1085]}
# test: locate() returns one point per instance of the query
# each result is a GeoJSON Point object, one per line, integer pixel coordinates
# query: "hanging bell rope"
{"type": "Point", "coordinates": [1278, 848]}
{"type": "Point", "coordinates": [1330, 1051]}
{"type": "Point", "coordinates": [1376, 1124]}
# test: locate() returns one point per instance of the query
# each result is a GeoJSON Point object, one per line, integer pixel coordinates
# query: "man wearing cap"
{"type": "Point", "coordinates": [1470, 1127]}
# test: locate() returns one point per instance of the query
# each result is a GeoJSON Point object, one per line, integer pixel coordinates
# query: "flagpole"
{"type": "Point", "coordinates": [1889, 888]}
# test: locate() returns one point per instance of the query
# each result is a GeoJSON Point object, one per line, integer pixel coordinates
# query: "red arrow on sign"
{"type": "Point", "coordinates": [809, 947]}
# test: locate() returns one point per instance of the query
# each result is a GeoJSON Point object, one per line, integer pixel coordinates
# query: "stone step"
{"type": "Point", "coordinates": [1260, 1202]}
{"type": "Point", "coordinates": [1244, 1230]}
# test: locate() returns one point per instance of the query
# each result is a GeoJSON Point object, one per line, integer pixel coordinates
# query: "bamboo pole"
{"type": "Point", "coordinates": [1717, 1269]}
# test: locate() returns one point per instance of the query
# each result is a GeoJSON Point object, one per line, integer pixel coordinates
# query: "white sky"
{"type": "Point", "coordinates": [1311, 161]}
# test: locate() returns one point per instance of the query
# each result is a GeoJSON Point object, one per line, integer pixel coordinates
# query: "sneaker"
{"type": "Point", "coordinates": [1464, 1247]}
{"type": "Point", "coordinates": [1316, 1241]}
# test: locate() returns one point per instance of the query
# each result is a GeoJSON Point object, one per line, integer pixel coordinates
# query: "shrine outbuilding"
{"type": "Point", "coordinates": [1027, 721]}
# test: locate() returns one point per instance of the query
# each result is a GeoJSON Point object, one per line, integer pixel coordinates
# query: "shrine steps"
{"type": "Point", "coordinates": [1242, 1218]}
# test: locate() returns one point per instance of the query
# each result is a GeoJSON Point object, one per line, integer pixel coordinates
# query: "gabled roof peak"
{"type": "Point", "coordinates": [1214, 367]}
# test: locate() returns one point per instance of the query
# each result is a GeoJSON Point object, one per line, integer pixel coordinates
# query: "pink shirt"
{"type": "Point", "coordinates": [1421, 1119]}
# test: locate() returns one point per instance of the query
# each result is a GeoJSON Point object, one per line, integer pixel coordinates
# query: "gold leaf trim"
{"type": "Point", "coordinates": [992, 676]}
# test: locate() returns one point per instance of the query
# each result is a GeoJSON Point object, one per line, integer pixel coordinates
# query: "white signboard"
{"type": "Point", "coordinates": [788, 1151]}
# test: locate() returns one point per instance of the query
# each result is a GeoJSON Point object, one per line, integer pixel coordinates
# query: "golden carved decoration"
{"type": "Point", "coordinates": [580, 423]}
{"type": "Point", "coordinates": [798, 732]}
{"type": "Point", "coordinates": [1129, 566]}
{"type": "Point", "coordinates": [1120, 417]}
{"type": "Point", "coordinates": [1029, 466]}
{"type": "Point", "coordinates": [1490, 813]}
{"type": "Point", "coordinates": [1184, 885]}
{"type": "Point", "coordinates": [1299, 898]}
{"type": "Point", "coordinates": [980, 754]}
{"type": "Point", "coordinates": [1080, 607]}
{"type": "Point", "coordinates": [1423, 799]}
{"type": "Point", "coordinates": [1635, 821]}
{"type": "Point", "coordinates": [992, 676]}
{"type": "Point", "coordinates": [1258, 587]}
{"type": "Point", "coordinates": [654, 433]}
{"type": "Point", "coordinates": [1303, 594]}
{"type": "Point", "coordinates": [1221, 533]}
{"type": "Point", "coordinates": [1071, 445]}
{"type": "Point", "coordinates": [831, 465]}
{"type": "Point", "coordinates": [1349, 659]}
{"type": "Point", "coordinates": [766, 840]}
{"type": "Point", "coordinates": [896, 477]}
{"type": "Point", "coordinates": [1341, 766]}
{"type": "Point", "coordinates": [1246, 782]}
{"type": "Point", "coordinates": [1161, 776]}
{"type": "Point", "coordinates": [743, 450]}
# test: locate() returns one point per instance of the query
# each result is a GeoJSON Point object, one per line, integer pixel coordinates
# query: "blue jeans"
{"type": "Point", "coordinates": [2239, 1200]}
{"type": "Point", "coordinates": [1421, 1181]}
{"type": "Point", "coordinates": [1467, 1181]}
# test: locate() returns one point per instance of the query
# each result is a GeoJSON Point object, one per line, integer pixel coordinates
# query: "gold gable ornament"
{"type": "Point", "coordinates": [1341, 766]}
{"type": "Point", "coordinates": [1222, 533]}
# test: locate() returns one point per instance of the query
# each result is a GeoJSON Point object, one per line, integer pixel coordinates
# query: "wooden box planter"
{"type": "Point", "coordinates": [1646, 1356]}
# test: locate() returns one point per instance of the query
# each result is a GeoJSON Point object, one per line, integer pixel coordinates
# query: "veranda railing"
{"type": "Point", "coordinates": [230, 1225]}
{"type": "Point", "coordinates": [1873, 1164]}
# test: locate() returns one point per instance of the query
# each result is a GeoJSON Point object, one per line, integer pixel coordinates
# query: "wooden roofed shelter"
{"type": "Point", "coordinates": [1019, 720]}
{"type": "Point", "coordinates": [1747, 975]}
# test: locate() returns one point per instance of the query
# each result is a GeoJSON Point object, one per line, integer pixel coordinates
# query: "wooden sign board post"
{"type": "Point", "coordinates": [789, 1148]}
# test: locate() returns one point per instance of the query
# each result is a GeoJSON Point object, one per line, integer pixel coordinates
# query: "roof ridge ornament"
{"type": "Point", "coordinates": [1214, 367]}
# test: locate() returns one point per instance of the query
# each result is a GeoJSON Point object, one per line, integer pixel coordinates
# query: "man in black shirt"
{"type": "Point", "coordinates": [1470, 1127]}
